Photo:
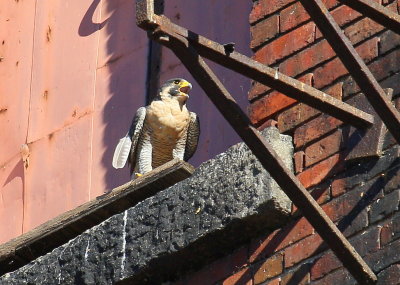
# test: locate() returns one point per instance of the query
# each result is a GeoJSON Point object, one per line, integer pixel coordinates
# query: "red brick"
{"type": "Point", "coordinates": [341, 275]}
{"type": "Point", "coordinates": [338, 187]}
{"type": "Point", "coordinates": [298, 161]}
{"type": "Point", "coordinates": [268, 268]}
{"type": "Point", "coordinates": [270, 104]}
{"type": "Point", "coordinates": [300, 113]}
{"type": "Point", "coordinates": [302, 250]}
{"type": "Point", "coordinates": [292, 16]}
{"type": "Point", "coordinates": [386, 235]}
{"type": "Point", "coordinates": [324, 265]}
{"type": "Point", "coordinates": [334, 69]}
{"type": "Point", "coordinates": [256, 90]}
{"type": "Point", "coordinates": [263, 8]}
{"type": "Point", "coordinates": [221, 268]}
{"type": "Point", "coordinates": [315, 129]}
{"type": "Point", "coordinates": [280, 239]}
{"type": "Point", "coordinates": [323, 148]}
{"type": "Point", "coordinates": [386, 65]}
{"type": "Point", "coordinates": [321, 195]}
{"type": "Point", "coordinates": [324, 169]}
{"type": "Point", "coordinates": [342, 15]}
{"type": "Point", "coordinates": [264, 31]}
{"type": "Point", "coordinates": [243, 277]}
{"type": "Point", "coordinates": [307, 59]}
{"type": "Point", "coordinates": [286, 44]}
{"type": "Point", "coordinates": [389, 276]}
{"type": "Point", "coordinates": [276, 281]}
{"type": "Point", "coordinates": [267, 124]}
{"type": "Point", "coordinates": [300, 276]}
{"type": "Point", "coordinates": [362, 30]}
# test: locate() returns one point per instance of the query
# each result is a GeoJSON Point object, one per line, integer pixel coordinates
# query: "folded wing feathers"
{"type": "Point", "coordinates": [123, 149]}
{"type": "Point", "coordinates": [121, 152]}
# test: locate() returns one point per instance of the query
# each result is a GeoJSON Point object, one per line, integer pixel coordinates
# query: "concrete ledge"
{"type": "Point", "coordinates": [227, 201]}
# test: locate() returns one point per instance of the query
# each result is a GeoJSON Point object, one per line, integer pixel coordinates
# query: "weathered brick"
{"type": "Point", "coordinates": [389, 40]}
{"type": "Point", "coordinates": [381, 259]}
{"type": "Point", "coordinates": [325, 264]}
{"type": "Point", "coordinates": [314, 129]}
{"type": "Point", "coordinates": [307, 58]}
{"type": "Point", "coordinates": [298, 161]}
{"type": "Point", "coordinates": [299, 276]}
{"type": "Point", "coordinates": [320, 193]}
{"type": "Point", "coordinates": [334, 69]}
{"type": "Point", "coordinates": [221, 268]}
{"type": "Point", "coordinates": [286, 44]}
{"type": "Point", "coordinates": [262, 8]}
{"type": "Point", "coordinates": [267, 268]}
{"type": "Point", "coordinates": [362, 29]}
{"type": "Point", "coordinates": [318, 172]}
{"type": "Point", "coordinates": [341, 275]}
{"type": "Point", "coordinates": [323, 148]}
{"type": "Point", "coordinates": [392, 179]}
{"type": "Point", "coordinates": [389, 276]}
{"type": "Point", "coordinates": [385, 235]}
{"type": "Point", "coordinates": [272, 103]}
{"type": "Point", "coordinates": [264, 31]}
{"type": "Point", "coordinates": [276, 281]}
{"type": "Point", "coordinates": [385, 206]}
{"type": "Point", "coordinates": [303, 249]}
{"type": "Point", "coordinates": [293, 16]}
{"type": "Point", "coordinates": [279, 239]}
{"type": "Point", "coordinates": [301, 112]}
{"type": "Point", "coordinates": [338, 187]}
{"type": "Point", "coordinates": [256, 90]}
{"type": "Point", "coordinates": [243, 277]}
{"type": "Point", "coordinates": [342, 15]}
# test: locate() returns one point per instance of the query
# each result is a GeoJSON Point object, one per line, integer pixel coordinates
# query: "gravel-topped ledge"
{"type": "Point", "coordinates": [227, 201]}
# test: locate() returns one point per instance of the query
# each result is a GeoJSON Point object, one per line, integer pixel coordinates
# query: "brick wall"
{"type": "Point", "coordinates": [363, 199]}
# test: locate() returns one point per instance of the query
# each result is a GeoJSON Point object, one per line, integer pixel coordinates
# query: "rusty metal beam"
{"type": "Point", "coordinates": [266, 75]}
{"type": "Point", "coordinates": [268, 157]}
{"type": "Point", "coordinates": [355, 65]}
{"type": "Point", "coordinates": [376, 12]}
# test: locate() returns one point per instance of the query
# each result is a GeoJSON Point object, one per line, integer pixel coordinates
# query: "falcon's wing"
{"type": "Point", "coordinates": [127, 145]}
{"type": "Point", "coordinates": [193, 134]}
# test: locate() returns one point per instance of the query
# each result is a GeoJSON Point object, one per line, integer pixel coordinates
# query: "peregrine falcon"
{"type": "Point", "coordinates": [161, 131]}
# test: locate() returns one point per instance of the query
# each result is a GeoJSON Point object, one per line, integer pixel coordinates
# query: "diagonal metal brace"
{"type": "Point", "coordinates": [355, 65]}
{"type": "Point", "coordinates": [268, 157]}
{"type": "Point", "coordinates": [266, 75]}
{"type": "Point", "coordinates": [376, 12]}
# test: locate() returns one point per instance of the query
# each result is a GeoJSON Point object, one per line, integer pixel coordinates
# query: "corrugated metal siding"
{"type": "Point", "coordinates": [72, 75]}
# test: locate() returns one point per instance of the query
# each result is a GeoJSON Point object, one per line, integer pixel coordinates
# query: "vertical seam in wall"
{"type": "Point", "coordinates": [29, 114]}
{"type": "Point", "coordinates": [94, 105]}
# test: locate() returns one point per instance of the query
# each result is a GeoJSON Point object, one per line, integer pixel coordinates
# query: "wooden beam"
{"type": "Point", "coordinates": [29, 246]}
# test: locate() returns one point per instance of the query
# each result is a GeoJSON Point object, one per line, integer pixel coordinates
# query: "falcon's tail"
{"type": "Point", "coordinates": [121, 152]}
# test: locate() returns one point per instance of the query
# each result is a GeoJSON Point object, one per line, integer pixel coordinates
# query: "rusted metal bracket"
{"type": "Point", "coordinates": [355, 65]}
{"type": "Point", "coordinates": [366, 143]}
{"type": "Point", "coordinates": [376, 12]}
{"type": "Point", "coordinates": [266, 75]}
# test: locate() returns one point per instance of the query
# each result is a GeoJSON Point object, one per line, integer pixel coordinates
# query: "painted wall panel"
{"type": "Point", "coordinates": [120, 89]}
{"type": "Point", "coordinates": [11, 199]}
{"type": "Point", "coordinates": [16, 40]}
{"type": "Point", "coordinates": [222, 21]}
{"type": "Point", "coordinates": [63, 67]}
{"type": "Point", "coordinates": [57, 178]}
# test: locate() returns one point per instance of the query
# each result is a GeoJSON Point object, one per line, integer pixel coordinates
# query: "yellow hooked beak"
{"type": "Point", "coordinates": [184, 88]}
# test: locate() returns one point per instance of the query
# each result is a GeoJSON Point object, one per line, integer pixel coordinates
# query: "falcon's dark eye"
{"type": "Point", "coordinates": [176, 81]}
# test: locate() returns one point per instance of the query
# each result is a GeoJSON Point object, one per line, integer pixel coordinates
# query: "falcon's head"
{"type": "Point", "coordinates": [176, 88]}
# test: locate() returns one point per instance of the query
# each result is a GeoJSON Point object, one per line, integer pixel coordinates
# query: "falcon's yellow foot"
{"type": "Point", "coordinates": [138, 174]}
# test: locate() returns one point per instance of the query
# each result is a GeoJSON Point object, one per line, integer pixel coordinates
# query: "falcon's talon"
{"type": "Point", "coordinates": [138, 174]}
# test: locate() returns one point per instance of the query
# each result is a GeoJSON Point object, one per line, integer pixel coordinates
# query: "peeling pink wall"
{"type": "Point", "coordinates": [72, 74]}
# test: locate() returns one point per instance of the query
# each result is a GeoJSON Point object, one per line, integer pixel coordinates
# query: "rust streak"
{"type": "Point", "coordinates": [3, 110]}
{"type": "Point", "coordinates": [48, 34]}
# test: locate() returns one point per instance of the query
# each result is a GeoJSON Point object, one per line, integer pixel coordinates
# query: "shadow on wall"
{"type": "Point", "coordinates": [122, 68]}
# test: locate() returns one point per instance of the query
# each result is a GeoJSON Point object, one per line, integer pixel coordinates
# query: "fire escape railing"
{"type": "Point", "coordinates": [190, 47]}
